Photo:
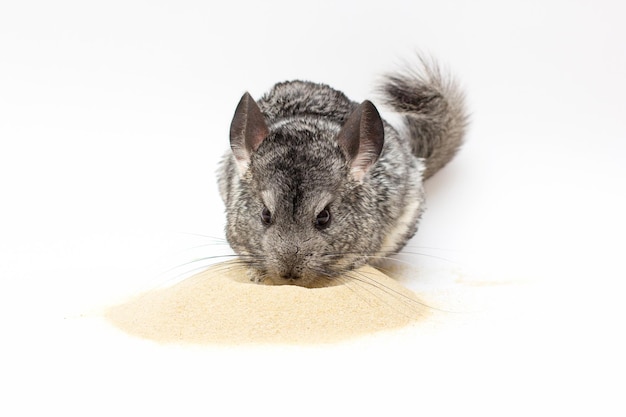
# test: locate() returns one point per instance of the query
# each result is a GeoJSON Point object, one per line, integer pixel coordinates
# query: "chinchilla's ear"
{"type": "Point", "coordinates": [247, 130]}
{"type": "Point", "coordinates": [362, 137]}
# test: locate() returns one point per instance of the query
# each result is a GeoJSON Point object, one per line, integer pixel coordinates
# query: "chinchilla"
{"type": "Point", "coordinates": [316, 185]}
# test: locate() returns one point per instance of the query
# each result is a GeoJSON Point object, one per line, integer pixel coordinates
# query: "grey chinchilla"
{"type": "Point", "coordinates": [316, 185]}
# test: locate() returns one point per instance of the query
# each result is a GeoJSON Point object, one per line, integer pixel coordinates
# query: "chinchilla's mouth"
{"type": "Point", "coordinates": [307, 280]}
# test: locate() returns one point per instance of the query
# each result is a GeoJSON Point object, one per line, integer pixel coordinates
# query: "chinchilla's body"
{"type": "Point", "coordinates": [317, 185]}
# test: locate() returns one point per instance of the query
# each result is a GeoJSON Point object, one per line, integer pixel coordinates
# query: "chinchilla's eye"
{"type": "Point", "coordinates": [266, 216]}
{"type": "Point", "coordinates": [323, 219]}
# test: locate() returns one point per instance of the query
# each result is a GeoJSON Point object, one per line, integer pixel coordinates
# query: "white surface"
{"type": "Point", "coordinates": [112, 119]}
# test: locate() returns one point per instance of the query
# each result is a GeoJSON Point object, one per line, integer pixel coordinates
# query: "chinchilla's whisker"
{"type": "Point", "coordinates": [359, 280]}
{"type": "Point", "coordinates": [363, 277]}
{"type": "Point", "coordinates": [205, 258]}
{"type": "Point", "coordinates": [427, 255]}
{"type": "Point", "coordinates": [219, 239]}
{"type": "Point", "coordinates": [394, 257]}
{"type": "Point", "coordinates": [419, 247]}
{"type": "Point", "coordinates": [226, 266]}
{"type": "Point", "coordinates": [201, 235]}
{"type": "Point", "coordinates": [321, 280]}
{"type": "Point", "coordinates": [213, 243]}
{"type": "Point", "coordinates": [389, 258]}
{"type": "Point", "coordinates": [222, 247]}
{"type": "Point", "coordinates": [232, 258]}
{"type": "Point", "coordinates": [184, 274]}
{"type": "Point", "coordinates": [345, 280]}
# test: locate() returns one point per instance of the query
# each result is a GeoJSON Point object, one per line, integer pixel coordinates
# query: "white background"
{"type": "Point", "coordinates": [113, 116]}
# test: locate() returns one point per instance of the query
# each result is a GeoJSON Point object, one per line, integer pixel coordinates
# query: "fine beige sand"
{"type": "Point", "coordinates": [220, 306]}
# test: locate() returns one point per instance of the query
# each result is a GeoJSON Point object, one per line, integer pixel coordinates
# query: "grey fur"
{"type": "Point", "coordinates": [433, 108]}
{"type": "Point", "coordinates": [299, 170]}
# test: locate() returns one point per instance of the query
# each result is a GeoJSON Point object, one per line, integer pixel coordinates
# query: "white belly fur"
{"type": "Point", "coordinates": [396, 236]}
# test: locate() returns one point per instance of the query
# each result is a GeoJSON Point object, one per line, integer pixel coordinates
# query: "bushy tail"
{"type": "Point", "coordinates": [433, 109]}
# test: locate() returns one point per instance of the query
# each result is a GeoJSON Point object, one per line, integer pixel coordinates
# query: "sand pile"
{"type": "Point", "coordinates": [220, 306]}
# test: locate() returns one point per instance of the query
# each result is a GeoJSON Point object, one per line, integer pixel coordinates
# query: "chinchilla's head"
{"type": "Point", "coordinates": [301, 211]}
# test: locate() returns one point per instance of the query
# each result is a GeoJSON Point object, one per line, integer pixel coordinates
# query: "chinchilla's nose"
{"type": "Point", "coordinates": [289, 276]}
{"type": "Point", "coordinates": [291, 267]}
